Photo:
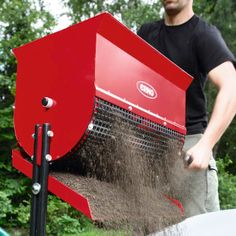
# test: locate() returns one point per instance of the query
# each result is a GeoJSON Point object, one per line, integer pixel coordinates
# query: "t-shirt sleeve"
{"type": "Point", "coordinates": [143, 31]}
{"type": "Point", "coordinates": [140, 31]}
{"type": "Point", "coordinates": [212, 50]}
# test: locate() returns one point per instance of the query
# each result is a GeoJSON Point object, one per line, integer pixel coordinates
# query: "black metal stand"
{"type": "Point", "coordinates": [40, 183]}
{"type": "Point", "coordinates": [35, 184]}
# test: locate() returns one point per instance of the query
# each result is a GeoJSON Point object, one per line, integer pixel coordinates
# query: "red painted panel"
{"type": "Point", "coordinates": [59, 66]}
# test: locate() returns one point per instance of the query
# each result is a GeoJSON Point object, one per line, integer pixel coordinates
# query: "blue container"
{"type": "Point", "coordinates": [3, 233]}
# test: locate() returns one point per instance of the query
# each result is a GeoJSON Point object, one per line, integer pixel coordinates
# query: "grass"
{"type": "Point", "coordinates": [102, 232]}
{"type": "Point", "coordinates": [92, 231]}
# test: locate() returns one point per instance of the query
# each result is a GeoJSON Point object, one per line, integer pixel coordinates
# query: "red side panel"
{"type": "Point", "coordinates": [59, 66]}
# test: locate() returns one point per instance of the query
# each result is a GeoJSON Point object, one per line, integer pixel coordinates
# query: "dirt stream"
{"type": "Point", "coordinates": [126, 188]}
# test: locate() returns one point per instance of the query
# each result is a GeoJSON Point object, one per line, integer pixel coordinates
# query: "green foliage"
{"type": "Point", "coordinates": [5, 205]}
{"type": "Point", "coordinates": [13, 197]}
{"type": "Point", "coordinates": [132, 13]}
{"type": "Point", "coordinates": [227, 184]}
{"type": "Point", "coordinates": [101, 232]}
{"type": "Point", "coordinates": [62, 219]}
{"type": "Point", "coordinates": [22, 213]}
{"type": "Point", "coordinates": [227, 146]}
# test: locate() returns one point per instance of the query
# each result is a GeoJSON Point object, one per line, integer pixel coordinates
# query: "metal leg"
{"type": "Point", "coordinates": [40, 183]}
{"type": "Point", "coordinates": [35, 185]}
{"type": "Point", "coordinates": [43, 195]}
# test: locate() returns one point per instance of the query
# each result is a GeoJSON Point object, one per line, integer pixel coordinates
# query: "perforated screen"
{"type": "Point", "coordinates": [141, 133]}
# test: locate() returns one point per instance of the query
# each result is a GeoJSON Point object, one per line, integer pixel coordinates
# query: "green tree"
{"type": "Point", "coordinates": [227, 184]}
{"type": "Point", "coordinates": [132, 13]}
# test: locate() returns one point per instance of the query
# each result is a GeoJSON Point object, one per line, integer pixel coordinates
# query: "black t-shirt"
{"type": "Point", "coordinates": [197, 48]}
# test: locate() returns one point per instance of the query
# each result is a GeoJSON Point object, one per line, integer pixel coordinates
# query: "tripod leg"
{"type": "Point", "coordinates": [43, 195]}
{"type": "Point", "coordinates": [35, 186]}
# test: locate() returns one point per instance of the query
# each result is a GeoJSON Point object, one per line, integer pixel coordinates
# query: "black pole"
{"type": "Point", "coordinates": [35, 184]}
{"type": "Point", "coordinates": [43, 194]}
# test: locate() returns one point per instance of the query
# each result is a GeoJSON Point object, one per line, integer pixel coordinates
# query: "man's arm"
{"type": "Point", "coordinates": [224, 77]}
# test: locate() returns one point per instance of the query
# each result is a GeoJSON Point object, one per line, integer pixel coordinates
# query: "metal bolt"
{"type": "Point", "coordinates": [50, 133]}
{"type": "Point", "coordinates": [47, 102]}
{"type": "Point", "coordinates": [130, 108]}
{"type": "Point", "coordinates": [32, 157]}
{"type": "Point", "coordinates": [90, 126]}
{"type": "Point", "coordinates": [48, 157]}
{"type": "Point", "coordinates": [164, 123]}
{"type": "Point", "coordinates": [33, 135]}
{"type": "Point", "coordinates": [36, 188]}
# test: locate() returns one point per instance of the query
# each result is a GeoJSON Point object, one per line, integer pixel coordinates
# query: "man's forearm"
{"type": "Point", "coordinates": [223, 113]}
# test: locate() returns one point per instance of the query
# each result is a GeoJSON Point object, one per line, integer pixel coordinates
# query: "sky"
{"type": "Point", "coordinates": [56, 8]}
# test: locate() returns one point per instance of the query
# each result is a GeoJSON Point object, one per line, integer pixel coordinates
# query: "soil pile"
{"type": "Point", "coordinates": [125, 186]}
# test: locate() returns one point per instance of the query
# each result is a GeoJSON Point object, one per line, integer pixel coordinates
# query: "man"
{"type": "Point", "coordinates": [199, 49]}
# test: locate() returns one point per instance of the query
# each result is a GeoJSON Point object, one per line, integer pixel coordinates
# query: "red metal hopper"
{"type": "Point", "coordinates": [77, 79]}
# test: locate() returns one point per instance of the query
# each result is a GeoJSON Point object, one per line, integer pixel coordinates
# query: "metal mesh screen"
{"type": "Point", "coordinates": [143, 134]}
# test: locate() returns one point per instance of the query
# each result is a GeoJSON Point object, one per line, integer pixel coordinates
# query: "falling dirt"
{"type": "Point", "coordinates": [125, 187]}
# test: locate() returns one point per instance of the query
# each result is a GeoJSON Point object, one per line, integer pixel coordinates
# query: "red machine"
{"type": "Point", "coordinates": [75, 78]}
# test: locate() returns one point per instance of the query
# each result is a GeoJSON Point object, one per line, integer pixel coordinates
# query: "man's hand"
{"type": "Point", "coordinates": [201, 155]}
